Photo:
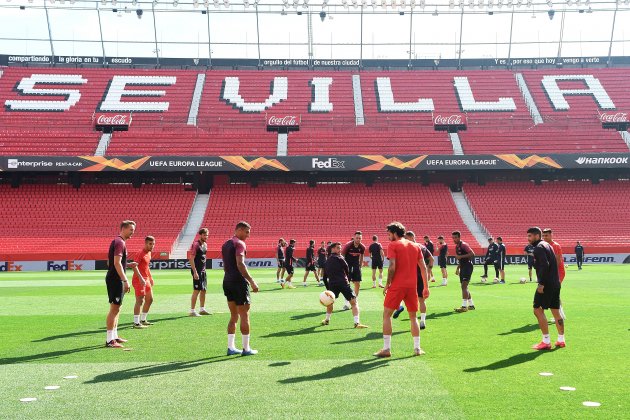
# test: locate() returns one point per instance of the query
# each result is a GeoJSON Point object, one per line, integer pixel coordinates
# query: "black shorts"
{"type": "Point", "coordinates": [530, 263]}
{"type": "Point", "coordinates": [237, 292]}
{"type": "Point", "coordinates": [202, 283]}
{"type": "Point", "coordinates": [280, 263]}
{"type": "Point", "coordinates": [420, 287]}
{"type": "Point", "coordinates": [465, 272]}
{"type": "Point", "coordinates": [343, 289]}
{"type": "Point", "coordinates": [427, 261]}
{"type": "Point", "coordinates": [500, 264]}
{"type": "Point", "coordinates": [355, 273]}
{"type": "Point", "coordinates": [442, 262]}
{"type": "Point", "coordinates": [115, 291]}
{"type": "Point", "coordinates": [321, 263]}
{"type": "Point", "coordinates": [310, 267]}
{"type": "Point", "coordinates": [376, 264]}
{"type": "Point", "coordinates": [549, 299]}
{"type": "Point", "coordinates": [288, 268]}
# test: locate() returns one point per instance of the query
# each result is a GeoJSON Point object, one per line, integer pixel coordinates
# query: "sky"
{"type": "Point", "coordinates": [229, 30]}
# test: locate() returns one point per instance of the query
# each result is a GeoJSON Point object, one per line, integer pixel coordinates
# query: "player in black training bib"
{"type": "Point", "coordinates": [288, 265]}
{"type": "Point", "coordinates": [442, 259]}
{"type": "Point", "coordinates": [429, 245]}
{"type": "Point", "coordinates": [353, 252]}
{"type": "Point", "coordinates": [310, 264]}
{"type": "Point", "coordinates": [529, 251]}
{"type": "Point", "coordinates": [547, 295]}
{"type": "Point", "coordinates": [500, 264]}
{"type": "Point", "coordinates": [197, 261]}
{"type": "Point", "coordinates": [377, 255]}
{"type": "Point", "coordinates": [116, 281]}
{"type": "Point", "coordinates": [280, 259]}
{"type": "Point", "coordinates": [236, 284]}
{"type": "Point", "coordinates": [322, 255]}
{"type": "Point", "coordinates": [464, 255]}
{"type": "Point", "coordinates": [336, 273]}
{"type": "Point", "coordinates": [579, 255]}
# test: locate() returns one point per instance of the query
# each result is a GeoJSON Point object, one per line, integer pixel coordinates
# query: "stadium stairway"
{"type": "Point", "coordinates": [457, 145]}
{"type": "Point", "coordinates": [103, 143]}
{"type": "Point", "coordinates": [192, 226]}
{"type": "Point", "coordinates": [469, 218]}
{"type": "Point", "coordinates": [626, 137]}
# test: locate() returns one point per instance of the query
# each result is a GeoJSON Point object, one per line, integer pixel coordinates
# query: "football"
{"type": "Point", "coordinates": [326, 298]}
{"type": "Point", "coordinates": [523, 280]}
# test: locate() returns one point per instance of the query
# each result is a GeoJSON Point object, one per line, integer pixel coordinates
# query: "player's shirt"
{"type": "Point", "coordinates": [529, 250]}
{"type": "Point", "coordinates": [144, 260]}
{"type": "Point", "coordinates": [462, 248]}
{"type": "Point", "coordinates": [199, 250]}
{"type": "Point", "coordinates": [322, 254]}
{"type": "Point", "coordinates": [229, 251]}
{"type": "Point", "coordinates": [375, 252]}
{"type": "Point", "coordinates": [546, 265]}
{"type": "Point", "coordinates": [289, 258]}
{"type": "Point", "coordinates": [336, 270]}
{"type": "Point", "coordinates": [443, 250]}
{"type": "Point", "coordinates": [579, 251]}
{"type": "Point", "coordinates": [352, 253]}
{"type": "Point", "coordinates": [280, 252]}
{"type": "Point", "coordinates": [426, 253]}
{"type": "Point", "coordinates": [502, 251]}
{"type": "Point", "coordinates": [117, 248]}
{"type": "Point", "coordinates": [310, 255]}
{"type": "Point", "coordinates": [407, 255]}
{"type": "Point", "coordinates": [430, 247]}
{"type": "Point", "coordinates": [557, 249]}
{"type": "Point", "coordinates": [492, 253]}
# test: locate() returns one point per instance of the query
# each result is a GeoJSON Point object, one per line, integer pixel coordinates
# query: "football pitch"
{"type": "Point", "coordinates": [477, 364]}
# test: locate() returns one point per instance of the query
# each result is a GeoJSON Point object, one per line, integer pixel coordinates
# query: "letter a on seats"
{"type": "Point", "coordinates": [594, 88]}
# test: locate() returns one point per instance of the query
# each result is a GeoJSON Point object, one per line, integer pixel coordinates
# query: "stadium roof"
{"type": "Point", "coordinates": [304, 29]}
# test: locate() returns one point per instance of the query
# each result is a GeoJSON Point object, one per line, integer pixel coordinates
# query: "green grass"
{"type": "Point", "coordinates": [478, 364]}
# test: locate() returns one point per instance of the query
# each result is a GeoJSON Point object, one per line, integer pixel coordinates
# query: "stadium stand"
{"type": "Point", "coordinates": [81, 223]}
{"type": "Point", "coordinates": [396, 111]}
{"type": "Point", "coordinates": [303, 213]}
{"type": "Point", "coordinates": [576, 211]}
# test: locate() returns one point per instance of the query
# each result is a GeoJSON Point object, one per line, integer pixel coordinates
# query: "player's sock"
{"type": "Point", "coordinates": [115, 333]}
{"type": "Point", "coordinates": [110, 335]}
{"type": "Point", "coordinates": [246, 342]}
{"type": "Point", "coordinates": [231, 338]}
{"type": "Point", "coordinates": [192, 310]}
{"type": "Point", "coordinates": [561, 338]}
{"type": "Point", "coordinates": [202, 309]}
{"type": "Point", "coordinates": [464, 302]}
{"type": "Point", "coordinates": [143, 316]}
{"type": "Point", "coordinates": [328, 315]}
{"type": "Point", "coordinates": [136, 319]}
{"type": "Point", "coordinates": [387, 342]}
{"type": "Point", "coordinates": [416, 342]}
{"type": "Point", "coordinates": [546, 339]}
{"type": "Point", "coordinates": [356, 319]}
{"type": "Point", "coordinates": [470, 302]}
{"type": "Point", "coordinates": [423, 316]}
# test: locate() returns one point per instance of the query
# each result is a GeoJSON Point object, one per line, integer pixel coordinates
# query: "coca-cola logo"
{"type": "Point", "coordinates": [286, 121]}
{"type": "Point", "coordinates": [118, 119]}
{"type": "Point", "coordinates": [455, 119]}
{"type": "Point", "coordinates": [619, 117]}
